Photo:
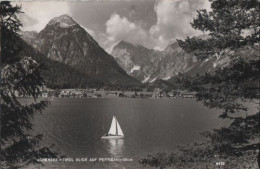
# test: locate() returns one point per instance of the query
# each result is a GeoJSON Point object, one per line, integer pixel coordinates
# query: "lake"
{"type": "Point", "coordinates": [150, 125]}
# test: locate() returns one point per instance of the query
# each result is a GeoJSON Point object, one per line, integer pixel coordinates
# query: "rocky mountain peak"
{"type": "Point", "coordinates": [30, 37]}
{"type": "Point", "coordinates": [148, 65]}
{"type": "Point", "coordinates": [64, 21]}
{"type": "Point", "coordinates": [130, 46]}
{"type": "Point", "coordinates": [124, 44]}
{"type": "Point", "coordinates": [64, 41]}
{"type": "Point", "coordinates": [29, 34]}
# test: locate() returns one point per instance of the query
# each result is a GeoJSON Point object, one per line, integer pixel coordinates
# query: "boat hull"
{"type": "Point", "coordinates": [112, 137]}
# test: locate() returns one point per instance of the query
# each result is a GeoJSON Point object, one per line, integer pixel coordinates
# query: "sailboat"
{"type": "Point", "coordinates": [115, 130]}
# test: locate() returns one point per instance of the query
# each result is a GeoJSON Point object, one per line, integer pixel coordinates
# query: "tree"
{"type": "Point", "coordinates": [231, 25]}
{"type": "Point", "coordinates": [233, 28]}
{"type": "Point", "coordinates": [20, 76]}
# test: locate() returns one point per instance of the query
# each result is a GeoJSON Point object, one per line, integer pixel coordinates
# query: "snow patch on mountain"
{"type": "Point", "coordinates": [206, 60]}
{"type": "Point", "coordinates": [146, 79]}
{"type": "Point", "coordinates": [153, 80]}
{"type": "Point", "coordinates": [166, 78]}
{"type": "Point", "coordinates": [136, 67]}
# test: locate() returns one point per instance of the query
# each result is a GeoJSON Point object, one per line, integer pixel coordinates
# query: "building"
{"type": "Point", "coordinates": [188, 94]}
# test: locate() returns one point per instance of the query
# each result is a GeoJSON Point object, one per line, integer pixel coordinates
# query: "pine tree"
{"type": "Point", "coordinates": [234, 30]}
{"type": "Point", "coordinates": [20, 76]}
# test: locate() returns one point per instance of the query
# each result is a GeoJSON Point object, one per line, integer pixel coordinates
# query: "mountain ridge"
{"type": "Point", "coordinates": [169, 62]}
{"type": "Point", "coordinates": [65, 41]}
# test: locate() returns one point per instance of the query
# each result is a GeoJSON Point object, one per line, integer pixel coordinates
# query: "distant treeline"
{"type": "Point", "coordinates": [60, 76]}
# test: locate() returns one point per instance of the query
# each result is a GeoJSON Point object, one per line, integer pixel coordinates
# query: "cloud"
{"type": "Point", "coordinates": [173, 22]}
{"type": "Point", "coordinates": [120, 28]}
{"type": "Point", "coordinates": [173, 19]}
{"type": "Point", "coordinates": [37, 14]}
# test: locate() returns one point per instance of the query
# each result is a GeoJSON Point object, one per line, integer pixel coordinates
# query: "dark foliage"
{"type": "Point", "coordinates": [9, 26]}
{"type": "Point", "coordinates": [230, 86]}
{"type": "Point", "coordinates": [198, 156]}
{"type": "Point", "coordinates": [228, 89]}
{"type": "Point", "coordinates": [233, 27]}
{"type": "Point", "coordinates": [20, 76]}
{"type": "Point", "coordinates": [232, 24]}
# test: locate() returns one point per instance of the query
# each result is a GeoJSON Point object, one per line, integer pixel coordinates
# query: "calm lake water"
{"type": "Point", "coordinates": [150, 125]}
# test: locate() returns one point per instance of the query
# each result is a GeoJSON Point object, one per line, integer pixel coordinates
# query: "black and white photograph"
{"type": "Point", "coordinates": [130, 84]}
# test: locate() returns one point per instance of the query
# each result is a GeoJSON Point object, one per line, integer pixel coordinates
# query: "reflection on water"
{"type": "Point", "coordinates": [76, 125]}
{"type": "Point", "coordinates": [115, 147]}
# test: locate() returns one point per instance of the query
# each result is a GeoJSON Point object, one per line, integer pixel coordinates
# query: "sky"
{"type": "Point", "coordinates": [150, 23]}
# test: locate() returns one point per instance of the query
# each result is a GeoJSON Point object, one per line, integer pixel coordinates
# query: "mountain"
{"type": "Point", "coordinates": [136, 60]}
{"type": "Point", "coordinates": [149, 65]}
{"type": "Point", "coordinates": [63, 40]}
{"type": "Point", "coordinates": [30, 37]}
{"type": "Point", "coordinates": [56, 74]}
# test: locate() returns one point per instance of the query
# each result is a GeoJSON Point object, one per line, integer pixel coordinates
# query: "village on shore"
{"type": "Point", "coordinates": [101, 93]}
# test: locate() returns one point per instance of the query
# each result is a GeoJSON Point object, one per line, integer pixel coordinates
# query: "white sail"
{"type": "Point", "coordinates": [115, 128]}
{"type": "Point", "coordinates": [120, 132]}
{"type": "Point", "coordinates": [112, 129]}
